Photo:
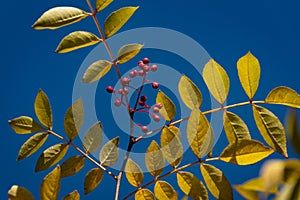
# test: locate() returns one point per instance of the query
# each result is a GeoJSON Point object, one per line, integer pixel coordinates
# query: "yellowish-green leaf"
{"type": "Point", "coordinates": [154, 159]}
{"type": "Point", "coordinates": [189, 93]}
{"type": "Point", "coordinates": [32, 145]}
{"type": "Point", "coordinates": [93, 138]}
{"type": "Point", "coordinates": [164, 191]}
{"type": "Point", "coordinates": [134, 174]}
{"type": "Point", "coordinates": [72, 165]}
{"type": "Point", "coordinates": [271, 129]}
{"type": "Point", "coordinates": [51, 156]}
{"type": "Point", "coordinates": [92, 179]}
{"type": "Point", "coordinates": [235, 128]}
{"type": "Point", "coordinates": [217, 81]}
{"type": "Point", "coordinates": [171, 147]}
{"type": "Point", "coordinates": [117, 19]}
{"type": "Point", "coordinates": [19, 193]}
{"type": "Point", "coordinates": [284, 96]}
{"type": "Point", "coordinates": [191, 186]}
{"type": "Point", "coordinates": [96, 71]}
{"type": "Point", "coordinates": [199, 134]}
{"type": "Point", "coordinates": [245, 152]}
{"type": "Point", "coordinates": [144, 194]}
{"type": "Point", "coordinates": [43, 109]}
{"type": "Point", "coordinates": [109, 153]}
{"type": "Point", "coordinates": [77, 40]}
{"type": "Point", "coordinates": [50, 186]}
{"type": "Point", "coordinates": [249, 73]}
{"type": "Point", "coordinates": [74, 119]}
{"type": "Point", "coordinates": [72, 196]}
{"type": "Point", "coordinates": [293, 130]}
{"type": "Point", "coordinates": [101, 4]}
{"type": "Point", "coordinates": [168, 111]}
{"type": "Point", "coordinates": [24, 125]}
{"type": "Point", "coordinates": [128, 52]}
{"type": "Point", "coordinates": [58, 17]}
{"type": "Point", "coordinates": [216, 182]}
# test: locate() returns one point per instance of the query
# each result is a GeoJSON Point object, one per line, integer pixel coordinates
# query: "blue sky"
{"type": "Point", "coordinates": [226, 29]}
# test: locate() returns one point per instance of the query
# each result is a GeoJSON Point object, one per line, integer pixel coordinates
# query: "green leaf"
{"type": "Point", "coordinates": [109, 153]}
{"type": "Point", "coordinates": [92, 179]}
{"type": "Point", "coordinates": [168, 111]}
{"type": "Point", "coordinates": [51, 185]}
{"type": "Point", "coordinates": [134, 174]}
{"type": "Point", "coordinates": [101, 4]}
{"type": "Point", "coordinates": [32, 145]}
{"type": "Point", "coordinates": [51, 156]}
{"type": "Point", "coordinates": [249, 73]}
{"type": "Point", "coordinates": [235, 128]}
{"type": "Point", "coordinates": [93, 138]}
{"type": "Point", "coordinates": [74, 119]}
{"type": "Point", "coordinates": [58, 17]}
{"type": "Point", "coordinates": [293, 130]}
{"type": "Point", "coordinates": [43, 109]}
{"type": "Point", "coordinates": [72, 165]}
{"type": "Point", "coordinates": [171, 147]}
{"type": "Point", "coordinates": [164, 191]}
{"type": "Point", "coordinates": [72, 196]}
{"type": "Point", "coordinates": [154, 159]}
{"type": "Point", "coordinates": [216, 182]}
{"type": "Point", "coordinates": [128, 52]}
{"type": "Point", "coordinates": [199, 134]}
{"type": "Point", "coordinates": [245, 152]}
{"type": "Point", "coordinates": [189, 93]}
{"type": "Point", "coordinates": [24, 125]}
{"type": "Point", "coordinates": [96, 71]}
{"type": "Point", "coordinates": [191, 186]}
{"type": "Point", "coordinates": [117, 19]}
{"type": "Point", "coordinates": [19, 193]}
{"type": "Point", "coordinates": [217, 81]}
{"type": "Point", "coordinates": [284, 96]}
{"type": "Point", "coordinates": [144, 194]}
{"type": "Point", "coordinates": [77, 40]}
{"type": "Point", "coordinates": [271, 129]}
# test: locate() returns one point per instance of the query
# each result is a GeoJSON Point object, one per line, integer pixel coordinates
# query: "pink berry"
{"type": "Point", "coordinates": [146, 60]}
{"type": "Point", "coordinates": [140, 64]}
{"type": "Point", "coordinates": [144, 129]}
{"type": "Point", "coordinates": [155, 85]}
{"type": "Point", "coordinates": [143, 98]}
{"type": "Point", "coordinates": [125, 91]}
{"type": "Point", "coordinates": [153, 68]}
{"type": "Point", "coordinates": [146, 68]}
{"type": "Point", "coordinates": [142, 103]}
{"type": "Point", "coordinates": [125, 81]}
{"type": "Point", "coordinates": [132, 74]}
{"type": "Point", "coordinates": [110, 89]}
{"type": "Point", "coordinates": [159, 105]}
{"type": "Point", "coordinates": [155, 109]}
{"type": "Point", "coordinates": [118, 102]}
{"type": "Point", "coordinates": [156, 118]}
{"type": "Point", "coordinates": [141, 73]}
{"type": "Point", "coordinates": [120, 91]}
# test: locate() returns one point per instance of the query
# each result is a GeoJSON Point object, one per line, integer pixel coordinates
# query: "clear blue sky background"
{"type": "Point", "coordinates": [270, 29]}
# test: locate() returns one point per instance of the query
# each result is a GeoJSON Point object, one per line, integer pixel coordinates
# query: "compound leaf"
{"type": "Point", "coordinates": [168, 111]}
{"type": "Point", "coordinates": [72, 165]}
{"type": "Point", "coordinates": [144, 194]}
{"type": "Point", "coordinates": [92, 179]}
{"type": "Point", "coordinates": [109, 153]}
{"type": "Point", "coordinates": [284, 96]}
{"type": "Point", "coordinates": [43, 109]}
{"type": "Point", "coordinates": [93, 138]}
{"type": "Point", "coordinates": [72, 196]}
{"type": "Point", "coordinates": [19, 193]}
{"type": "Point", "coordinates": [128, 52]}
{"type": "Point", "coordinates": [164, 191]}
{"type": "Point", "coordinates": [96, 71]}
{"type": "Point", "coordinates": [134, 173]}
{"type": "Point", "coordinates": [154, 159]}
{"type": "Point", "coordinates": [101, 4]}
{"type": "Point", "coordinates": [51, 185]}
{"type": "Point", "coordinates": [24, 125]}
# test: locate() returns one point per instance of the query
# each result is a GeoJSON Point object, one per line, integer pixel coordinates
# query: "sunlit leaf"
{"type": "Point", "coordinates": [43, 109]}
{"type": "Point", "coordinates": [199, 134]}
{"type": "Point", "coordinates": [189, 93]}
{"type": "Point", "coordinates": [96, 71]}
{"type": "Point", "coordinates": [117, 19]}
{"type": "Point", "coordinates": [284, 96]}
{"type": "Point", "coordinates": [293, 130]}
{"type": "Point", "coordinates": [144, 194]}
{"type": "Point", "coordinates": [249, 73]}
{"type": "Point", "coordinates": [154, 159]}
{"type": "Point", "coordinates": [235, 128]}
{"type": "Point", "coordinates": [24, 125]}
{"type": "Point", "coordinates": [74, 119]}
{"type": "Point", "coordinates": [217, 81]}
{"type": "Point", "coordinates": [290, 191]}
{"type": "Point", "coordinates": [58, 17]}
{"type": "Point", "coordinates": [191, 186]}
{"type": "Point", "coordinates": [164, 191]}
{"type": "Point", "coordinates": [19, 193]}
{"type": "Point", "coordinates": [171, 147]}
{"type": "Point", "coordinates": [128, 52]}
{"type": "Point", "coordinates": [50, 186]}
{"type": "Point", "coordinates": [109, 153]}
{"type": "Point", "coordinates": [72, 196]}
{"type": "Point", "coordinates": [72, 165]}
{"type": "Point", "coordinates": [271, 129]}
{"type": "Point", "coordinates": [51, 156]}
{"type": "Point", "coordinates": [245, 152]}
{"type": "Point", "coordinates": [168, 111]}
{"type": "Point", "coordinates": [77, 40]}
{"type": "Point", "coordinates": [216, 182]}
{"type": "Point", "coordinates": [32, 145]}
{"type": "Point", "coordinates": [93, 138]}
{"type": "Point", "coordinates": [134, 174]}
{"type": "Point", "coordinates": [92, 179]}
{"type": "Point", "coordinates": [101, 4]}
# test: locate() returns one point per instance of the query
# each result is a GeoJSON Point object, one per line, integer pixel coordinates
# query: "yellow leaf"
{"type": "Point", "coordinates": [72, 196]}
{"type": "Point", "coordinates": [134, 174]}
{"type": "Point", "coordinates": [290, 191]}
{"type": "Point", "coordinates": [154, 159]}
{"type": "Point", "coordinates": [109, 153]}
{"type": "Point", "coordinates": [144, 194]}
{"type": "Point", "coordinates": [50, 186]}
{"type": "Point", "coordinates": [93, 138]}
{"type": "Point", "coordinates": [24, 125]}
{"type": "Point", "coordinates": [284, 96]}
{"type": "Point", "coordinates": [101, 4]}
{"type": "Point", "coordinates": [164, 191]}
{"type": "Point", "coordinates": [168, 111]}
{"type": "Point", "coordinates": [293, 130]}
{"type": "Point", "coordinates": [72, 165]}
{"type": "Point", "coordinates": [128, 51]}
{"type": "Point", "coordinates": [92, 179]}
{"type": "Point", "coordinates": [19, 193]}
{"type": "Point", "coordinates": [96, 71]}
{"type": "Point", "coordinates": [43, 109]}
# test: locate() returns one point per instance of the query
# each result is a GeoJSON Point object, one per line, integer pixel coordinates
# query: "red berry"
{"type": "Point", "coordinates": [146, 60]}
{"type": "Point", "coordinates": [156, 118]}
{"type": "Point", "coordinates": [140, 64]}
{"type": "Point", "coordinates": [155, 109]}
{"type": "Point", "coordinates": [159, 105]}
{"type": "Point", "coordinates": [155, 85]}
{"type": "Point", "coordinates": [125, 81]}
{"type": "Point", "coordinates": [142, 103]}
{"type": "Point", "coordinates": [143, 98]}
{"type": "Point", "coordinates": [153, 68]}
{"type": "Point", "coordinates": [110, 89]}
{"type": "Point", "coordinates": [144, 129]}
{"type": "Point", "coordinates": [118, 102]}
